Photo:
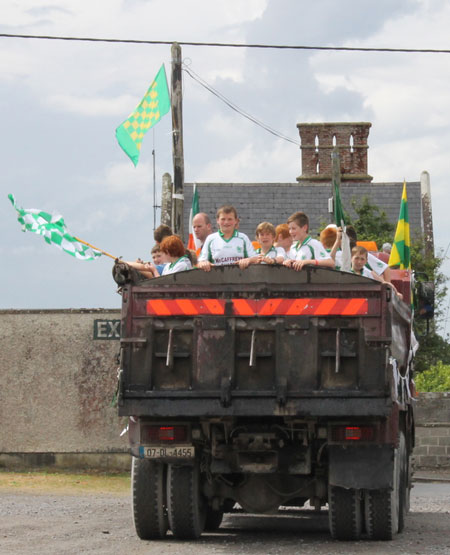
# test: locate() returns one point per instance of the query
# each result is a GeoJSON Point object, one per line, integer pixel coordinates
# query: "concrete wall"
{"type": "Point", "coordinates": [58, 377]}
{"type": "Point", "coordinates": [57, 385]}
{"type": "Point", "coordinates": [432, 431]}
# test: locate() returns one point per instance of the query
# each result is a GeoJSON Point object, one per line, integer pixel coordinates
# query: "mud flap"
{"type": "Point", "coordinates": [361, 467]}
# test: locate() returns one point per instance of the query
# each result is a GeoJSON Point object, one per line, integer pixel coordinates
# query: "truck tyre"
{"type": "Point", "coordinates": [344, 513]}
{"type": "Point", "coordinates": [213, 519]}
{"type": "Point", "coordinates": [186, 505]}
{"type": "Point", "coordinates": [383, 507]}
{"type": "Point", "coordinates": [148, 490]}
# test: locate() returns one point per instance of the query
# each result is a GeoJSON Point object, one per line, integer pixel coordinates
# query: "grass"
{"type": "Point", "coordinates": [65, 483]}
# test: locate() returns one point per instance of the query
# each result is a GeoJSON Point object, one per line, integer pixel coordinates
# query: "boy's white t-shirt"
{"type": "Point", "coordinates": [179, 265]}
{"type": "Point", "coordinates": [273, 252]}
{"type": "Point", "coordinates": [309, 249]}
{"type": "Point", "coordinates": [220, 251]}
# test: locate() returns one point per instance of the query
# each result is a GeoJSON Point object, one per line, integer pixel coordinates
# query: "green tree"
{"type": "Point", "coordinates": [371, 223]}
{"type": "Point", "coordinates": [433, 347]}
{"type": "Point", "coordinates": [436, 378]}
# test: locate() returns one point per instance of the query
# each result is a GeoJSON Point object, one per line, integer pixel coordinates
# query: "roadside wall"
{"type": "Point", "coordinates": [432, 431]}
{"type": "Point", "coordinates": [58, 377]}
{"type": "Point", "coordinates": [59, 371]}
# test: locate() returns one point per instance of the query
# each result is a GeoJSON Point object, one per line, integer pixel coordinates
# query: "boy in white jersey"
{"type": "Point", "coordinates": [283, 237]}
{"type": "Point", "coordinates": [373, 263]}
{"type": "Point", "coordinates": [305, 250]}
{"type": "Point", "coordinates": [359, 267]}
{"type": "Point", "coordinates": [359, 261]}
{"type": "Point", "coordinates": [226, 246]}
{"type": "Point", "coordinates": [267, 253]}
{"type": "Point", "coordinates": [174, 254]}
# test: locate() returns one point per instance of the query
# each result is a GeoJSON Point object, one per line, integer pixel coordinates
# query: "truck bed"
{"type": "Point", "coordinates": [264, 341]}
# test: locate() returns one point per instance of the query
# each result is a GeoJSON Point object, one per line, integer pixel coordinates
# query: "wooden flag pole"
{"type": "Point", "coordinates": [95, 248]}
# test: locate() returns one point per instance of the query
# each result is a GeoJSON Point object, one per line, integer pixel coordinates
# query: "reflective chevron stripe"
{"type": "Point", "coordinates": [261, 307]}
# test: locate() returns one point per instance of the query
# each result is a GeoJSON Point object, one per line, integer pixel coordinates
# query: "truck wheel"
{"type": "Point", "coordinates": [186, 505]}
{"type": "Point", "coordinates": [344, 513]}
{"type": "Point", "coordinates": [383, 507]}
{"type": "Point", "coordinates": [213, 519]}
{"type": "Point", "coordinates": [148, 490]}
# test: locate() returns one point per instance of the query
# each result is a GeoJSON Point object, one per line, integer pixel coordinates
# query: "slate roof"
{"type": "Point", "coordinates": [275, 202]}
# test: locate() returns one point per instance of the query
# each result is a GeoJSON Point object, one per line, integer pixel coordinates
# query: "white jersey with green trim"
{"type": "Point", "coordinates": [364, 272]}
{"type": "Point", "coordinates": [273, 252]}
{"type": "Point", "coordinates": [310, 249]}
{"type": "Point", "coordinates": [179, 265]}
{"type": "Point", "coordinates": [220, 251]}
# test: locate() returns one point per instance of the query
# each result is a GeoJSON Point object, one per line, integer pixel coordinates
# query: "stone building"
{"type": "Point", "coordinates": [275, 202]}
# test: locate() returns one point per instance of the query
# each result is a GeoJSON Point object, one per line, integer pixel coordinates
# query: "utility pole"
{"type": "Point", "coordinates": [177, 142]}
{"type": "Point", "coordinates": [166, 200]}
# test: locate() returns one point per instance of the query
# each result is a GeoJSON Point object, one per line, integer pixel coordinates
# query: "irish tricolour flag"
{"type": "Point", "coordinates": [193, 242]}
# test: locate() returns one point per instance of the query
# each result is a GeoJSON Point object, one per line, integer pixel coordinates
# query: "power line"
{"type": "Point", "coordinates": [234, 45]}
{"type": "Point", "coordinates": [234, 107]}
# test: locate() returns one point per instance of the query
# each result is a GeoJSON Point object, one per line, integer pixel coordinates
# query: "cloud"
{"type": "Point", "coordinates": [18, 252]}
{"type": "Point", "coordinates": [125, 178]}
{"type": "Point", "coordinates": [61, 102]}
{"type": "Point", "coordinates": [47, 10]}
{"type": "Point", "coordinates": [93, 106]}
{"type": "Point", "coordinates": [234, 168]}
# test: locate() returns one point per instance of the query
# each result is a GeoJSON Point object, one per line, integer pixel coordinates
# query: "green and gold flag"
{"type": "Point", "coordinates": [154, 105]}
{"type": "Point", "coordinates": [400, 253]}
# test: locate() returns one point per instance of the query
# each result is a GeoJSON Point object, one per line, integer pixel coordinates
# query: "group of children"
{"type": "Point", "coordinates": [288, 244]}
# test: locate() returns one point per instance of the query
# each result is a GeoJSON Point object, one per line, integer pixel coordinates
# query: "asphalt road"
{"type": "Point", "coordinates": [102, 524]}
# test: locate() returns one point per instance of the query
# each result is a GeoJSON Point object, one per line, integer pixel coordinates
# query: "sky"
{"type": "Point", "coordinates": [61, 101]}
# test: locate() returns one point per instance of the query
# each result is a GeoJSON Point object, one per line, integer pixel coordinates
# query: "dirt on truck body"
{"type": "Point", "coordinates": [266, 387]}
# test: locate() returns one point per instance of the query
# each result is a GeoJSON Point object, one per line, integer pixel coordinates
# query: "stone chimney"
{"type": "Point", "coordinates": [317, 143]}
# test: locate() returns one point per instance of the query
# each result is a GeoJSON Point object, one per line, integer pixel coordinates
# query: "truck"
{"type": "Point", "coordinates": [263, 389]}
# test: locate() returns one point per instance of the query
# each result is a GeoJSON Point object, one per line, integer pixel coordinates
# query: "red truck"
{"type": "Point", "coordinates": [267, 388]}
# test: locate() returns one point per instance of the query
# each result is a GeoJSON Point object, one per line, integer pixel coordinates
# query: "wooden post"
{"type": "Point", "coordinates": [166, 200]}
{"type": "Point", "coordinates": [177, 142]}
{"type": "Point", "coordinates": [335, 177]}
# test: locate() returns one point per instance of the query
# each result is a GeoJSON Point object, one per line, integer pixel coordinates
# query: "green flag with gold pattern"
{"type": "Point", "coordinates": [154, 105]}
{"type": "Point", "coordinates": [400, 253]}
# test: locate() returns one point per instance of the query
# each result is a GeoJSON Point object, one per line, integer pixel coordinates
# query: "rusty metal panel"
{"type": "Point", "coordinates": [214, 352]}
{"type": "Point", "coordinates": [297, 356]}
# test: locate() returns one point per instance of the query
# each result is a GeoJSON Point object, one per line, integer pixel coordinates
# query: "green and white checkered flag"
{"type": "Point", "coordinates": [54, 230]}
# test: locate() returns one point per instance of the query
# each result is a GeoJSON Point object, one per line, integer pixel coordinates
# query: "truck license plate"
{"type": "Point", "coordinates": [173, 452]}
